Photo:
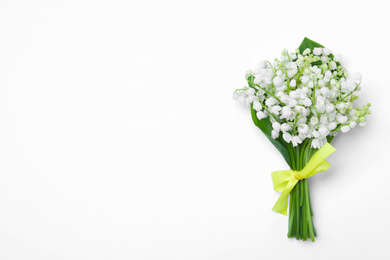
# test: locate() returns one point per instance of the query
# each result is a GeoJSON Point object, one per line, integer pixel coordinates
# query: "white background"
{"type": "Point", "coordinates": [119, 138]}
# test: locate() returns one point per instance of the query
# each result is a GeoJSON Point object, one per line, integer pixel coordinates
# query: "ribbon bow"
{"type": "Point", "coordinates": [284, 181]}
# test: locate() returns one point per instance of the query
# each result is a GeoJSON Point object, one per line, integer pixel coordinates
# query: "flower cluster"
{"type": "Point", "coordinates": [304, 95]}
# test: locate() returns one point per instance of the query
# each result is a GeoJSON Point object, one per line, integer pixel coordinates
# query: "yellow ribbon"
{"type": "Point", "coordinates": [284, 181]}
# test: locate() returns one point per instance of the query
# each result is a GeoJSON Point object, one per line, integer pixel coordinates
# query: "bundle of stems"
{"type": "Point", "coordinates": [300, 224]}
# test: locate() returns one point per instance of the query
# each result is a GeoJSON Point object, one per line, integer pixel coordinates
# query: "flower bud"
{"type": "Point", "coordinates": [293, 83]}
{"type": "Point", "coordinates": [306, 52]}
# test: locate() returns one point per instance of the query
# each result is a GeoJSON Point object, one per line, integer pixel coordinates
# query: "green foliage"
{"type": "Point", "coordinates": [307, 43]}
{"type": "Point", "coordinates": [266, 127]}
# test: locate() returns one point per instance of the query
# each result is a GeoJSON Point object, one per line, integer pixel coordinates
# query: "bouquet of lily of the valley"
{"type": "Point", "coordinates": [300, 102]}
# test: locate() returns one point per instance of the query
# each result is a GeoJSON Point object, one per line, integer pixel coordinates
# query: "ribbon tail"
{"type": "Point", "coordinates": [281, 204]}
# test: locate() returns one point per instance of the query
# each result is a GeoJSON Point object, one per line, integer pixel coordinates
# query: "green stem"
{"type": "Point", "coordinates": [308, 211]}
{"type": "Point", "coordinates": [304, 208]}
{"type": "Point", "coordinates": [298, 211]}
{"type": "Point", "coordinates": [291, 219]}
{"type": "Point", "coordinates": [350, 93]}
{"type": "Point", "coordinates": [300, 223]}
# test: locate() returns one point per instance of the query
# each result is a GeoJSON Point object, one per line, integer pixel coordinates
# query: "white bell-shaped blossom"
{"type": "Point", "coordinates": [256, 105]}
{"type": "Point", "coordinates": [286, 113]}
{"type": "Point", "coordinates": [287, 137]}
{"type": "Point", "coordinates": [296, 140]}
{"type": "Point", "coordinates": [329, 108]}
{"type": "Point", "coordinates": [271, 101]}
{"type": "Point", "coordinates": [317, 51]}
{"type": "Point", "coordinates": [303, 129]}
{"type": "Point", "coordinates": [307, 102]}
{"type": "Point", "coordinates": [277, 81]}
{"type": "Point", "coordinates": [276, 109]}
{"type": "Point", "coordinates": [276, 126]}
{"type": "Point", "coordinates": [274, 134]}
{"type": "Point", "coordinates": [341, 119]}
{"type": "Point", "coordinates": [345, 129]}
{"type": "Point", "coordinates": [332, 125]}
{"type": "Point", "coordinates": [285, 127]}
{"type": "Point", "coordinates": [305, 79]}
{"type": "Point", "coordinates": [260, 115]}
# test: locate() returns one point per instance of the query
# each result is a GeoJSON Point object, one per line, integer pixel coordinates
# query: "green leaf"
{"type": "Point", "coordinates": [250, 81]}
{"type": "Point", "coordinates": [307, 43]}
{"type": "Point", "coordinates": [329, 138]}
{"type": "Point", "coordinates": [265, 126]}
